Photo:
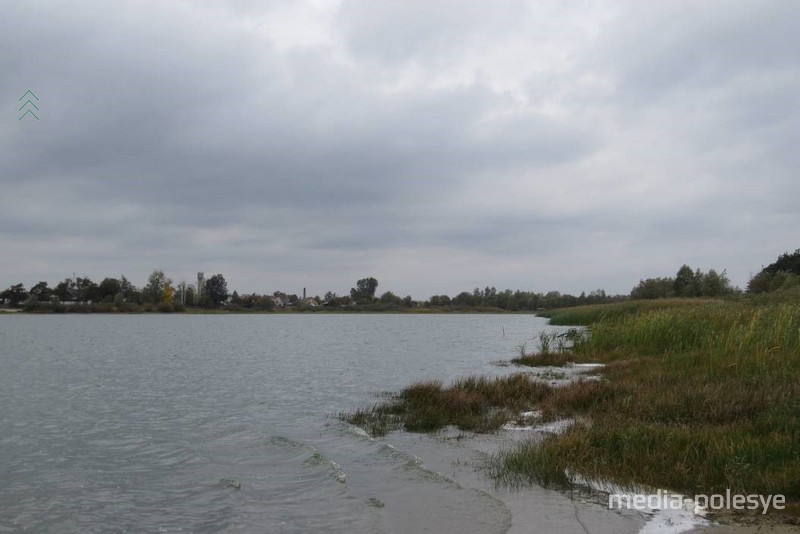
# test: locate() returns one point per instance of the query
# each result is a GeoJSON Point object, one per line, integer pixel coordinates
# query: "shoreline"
{"type": "Point", "coordinates": [677, 377]}
{"type": "Point", "coordinates": [415, 311]}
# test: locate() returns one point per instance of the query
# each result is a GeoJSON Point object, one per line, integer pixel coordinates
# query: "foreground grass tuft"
{"type": "Point", "coordinates": [478, 404]}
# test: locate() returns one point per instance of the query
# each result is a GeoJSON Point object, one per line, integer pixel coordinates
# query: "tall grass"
{"type": "Point", "coordinates": [698, 396]}
{"type": "Point", "coordinates": [586, 315]}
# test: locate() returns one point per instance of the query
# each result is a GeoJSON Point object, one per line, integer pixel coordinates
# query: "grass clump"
{"type": "Point", "coordinates": [697, 396]}
{"type": "Point", "coordinates": [562, 342]}
{"type": "Point", "coordinates": [478, 404]}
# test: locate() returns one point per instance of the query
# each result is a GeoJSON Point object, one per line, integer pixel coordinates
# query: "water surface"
{"type": "Point", "coordinates": [148, 423]}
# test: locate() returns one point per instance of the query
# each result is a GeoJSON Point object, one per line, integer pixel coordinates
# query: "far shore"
{"type": "Point", "coordinates": [225, 311]}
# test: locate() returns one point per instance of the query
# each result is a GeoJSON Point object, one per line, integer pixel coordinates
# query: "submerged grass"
{"type": "Point", "coordinates": [698, 396]}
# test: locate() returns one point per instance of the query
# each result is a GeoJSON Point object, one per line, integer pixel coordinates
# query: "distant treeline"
{"type": "Point", "coordinates": [780, 276]}
{"type": "Point", "coordinates": [161, 294]}
{"type": "Point", "coordinates": [686, 283]}
{"type": "Point", "coordinates": [81, 294]}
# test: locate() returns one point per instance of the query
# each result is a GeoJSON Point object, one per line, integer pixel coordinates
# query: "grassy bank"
{"type": "Point", "coordinates": [697, 396]}
{"type": "Point", "coordinates": [700, 396]}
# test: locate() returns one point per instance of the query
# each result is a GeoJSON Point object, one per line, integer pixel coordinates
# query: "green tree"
{"type": "Point", "coordinates": [126, 288]}
{"type": "Point", "coordinates": [109, 288]}
{"type": "Point", "coordinates": [14, 294]}
{"type": "Point", "coordinates": [654, 288]}
{"type": "Point", "coordinates": [715, 284]}
{"type": "Point", "coordinates": [364, 291]}
{"type": "Point", "coordinates": [685, 282]}
{"type": "Point", "coordinates": [42, 292]}
{"type": "Point", "coordinates": [157, 283]}
{"type": "Point", "coordinates": [216, 288]}
{"type": "Point", "coordinates": [786, 262]}
{"type": "Point", "coordinates": [780, 275]}
{"type": "Point", "coordinates": [67, 291]}
{"type": "Point", "coordinates": [465, 298]}
{"type": "Point", "coordinates": [391, 298]}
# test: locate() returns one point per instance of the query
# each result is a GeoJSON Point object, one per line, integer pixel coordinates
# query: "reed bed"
{"type": "Point", "coordinates": [697, 397]}
{"type": "Point", "coordinates": [586, 315]}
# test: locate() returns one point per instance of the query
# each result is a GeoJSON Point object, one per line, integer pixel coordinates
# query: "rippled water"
{"type": "Point", "coordinates": [147, 423]}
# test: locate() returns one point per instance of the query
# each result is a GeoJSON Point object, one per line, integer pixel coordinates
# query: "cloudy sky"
{"type": "Point", "coordinates": [437, 145]}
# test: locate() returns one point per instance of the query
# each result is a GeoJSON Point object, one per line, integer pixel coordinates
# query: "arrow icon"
{"type": "Point", "coordinates": [28, 103]}
{"type": "Point", "coordinates": [29, 92]}
{"type": "Point", "coordinates": [31, 112]}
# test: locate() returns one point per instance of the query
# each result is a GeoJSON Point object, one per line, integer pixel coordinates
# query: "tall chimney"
{"type": "Point", "coordinates": [304, 293]}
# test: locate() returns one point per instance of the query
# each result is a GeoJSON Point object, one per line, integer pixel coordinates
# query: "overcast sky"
{"type": "Point", "coordinates": [435, 145]}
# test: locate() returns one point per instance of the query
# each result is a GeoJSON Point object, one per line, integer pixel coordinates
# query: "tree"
{"type": "Point", "coordinates": [786, 262]}
{"type": "Point", "coordinates": [654, 288]}
{"type": "Point", "coordinates": [715, 284]}
{"type": "Point", "coordinates": [14, 294]}
{"type": "Point", "coordinates": [439, 300]}
{"type": "Point", "coordinates": [684, 285]}
{"type": "Point", "coordinates": [464, 298]}
{"type": "Point", "coordinates": [41, 292]}
{"type": "Point", "coordinates": [189, 297]}
{"type": "Point", "coordinates": [126, 288]}
{"type": "Point", "coordinates": [109, 288]}
{"type": "Point", "coordinates": [780, 275]}
{"type": "Point", "coordinates": [391, 298]}
{"type": "Point", "coordinates": [67, 291]}
{"type": "Point", "coordinates": [216, 289]}
{"type": "Point", "coordinates": [364, 290]}
{"type": "Point", "coordinates": [87, 291]}
{"type": "Point", "coordinates": [31, 302]}
{"type": "Point", "coordinates": [157, 283]}
{"type": "Point", "coordinates": [168, 294]}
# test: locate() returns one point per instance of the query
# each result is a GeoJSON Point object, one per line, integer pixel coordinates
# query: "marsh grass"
{"type": "Point", "coordinates": [544, 342]}
{"type": "Point", "coordinates": [564, 343]}
{"type": "Point", "coordinates": [697, 396]}
{"type": "Point", "coordinates": [586, 315]}
{"type": "Point", "coordinates": [478, 404]}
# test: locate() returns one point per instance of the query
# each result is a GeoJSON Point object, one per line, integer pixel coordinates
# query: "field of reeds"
{"type": "Point", "coordinates": [698, 397]}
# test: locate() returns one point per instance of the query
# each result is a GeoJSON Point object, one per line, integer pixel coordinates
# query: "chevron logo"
{"type": "Point", "coordinates": [28, 106]}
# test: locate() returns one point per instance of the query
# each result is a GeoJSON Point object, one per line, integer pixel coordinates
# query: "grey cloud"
{"type": "Point", "coordinates": [179, 136]}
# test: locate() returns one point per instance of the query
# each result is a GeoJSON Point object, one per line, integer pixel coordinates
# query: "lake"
{"type": "Point", "coordinates": [228, 423]}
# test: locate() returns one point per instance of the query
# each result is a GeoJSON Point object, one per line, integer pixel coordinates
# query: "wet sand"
{"type": "Point", "coordinates": [463, 457]}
